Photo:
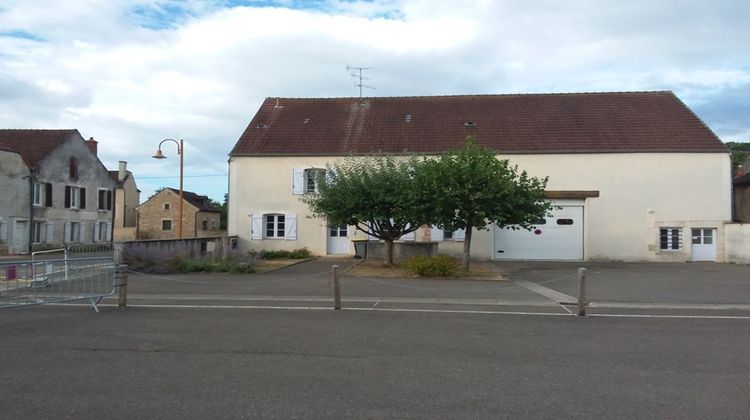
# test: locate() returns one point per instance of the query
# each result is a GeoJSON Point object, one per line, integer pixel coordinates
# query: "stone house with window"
{"type": "Point", "coordinates": [158, 217]}
{"type": "Point", "coordinates": [55, 191]}
{"type": "Point", "coordinates": [634, 176]}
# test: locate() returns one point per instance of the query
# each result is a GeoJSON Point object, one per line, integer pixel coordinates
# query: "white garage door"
{"type": "Point", "coordinates": [560, 237]}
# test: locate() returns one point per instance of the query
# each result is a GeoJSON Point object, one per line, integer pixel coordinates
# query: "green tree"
{"type": "Point", "coordinates": [223, 211]}
{"type": "Point", "coordinates": [470, 188]}
{"type": "Point", "coordinates": [740, 153]}
{"type": "Point", "coordinates": [376, 195]}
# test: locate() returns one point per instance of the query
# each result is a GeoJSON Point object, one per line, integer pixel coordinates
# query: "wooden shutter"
{"type": "Point", "coordinates": [66, 232]}
{"type": "Point", "coordinates": [109, 200]}
{"type": "Point", "coordinates": [256, 226]}
{"type": "Point", "coordinates": [436, 234]}
{"type": "Point", "coordinates": [82, 197]}
{"type": "Point", "coordinates": [291, 226]}
{"type": "Point", "coordinates": [67, 200]}
{"type": "Point", "coordinates": [48, 195]}
{"type": "Point", "coordinates": [298, 181]}
{"type": "Point", "coordinates": [82, 232]}
{"type": "Point", "coordinates": [50, 232]}
{"type": "Point", "coordinates": [97, 231]}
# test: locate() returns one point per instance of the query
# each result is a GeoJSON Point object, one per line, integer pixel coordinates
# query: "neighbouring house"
{"type": "Point", "coordinates": [55, 191]}
{"type": "Point", "coordinates": [126, 198]}
{"type": "Point", "coordinates": [634, 176]}
{"type": "Point", "coordinates": [159, 216]}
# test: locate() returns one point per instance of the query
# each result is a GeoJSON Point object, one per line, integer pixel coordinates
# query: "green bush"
{"type": "Point", "coordinates": [437, 266]}
{"type": "Point", "coordinates": [294, 255]}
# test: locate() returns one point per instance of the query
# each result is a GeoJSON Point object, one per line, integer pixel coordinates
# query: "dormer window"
{"type": "Point", "coordinates": [470, 124]}
{"type": "Point", "coordinates": [73, 168]}
{"type": "Point", "coordinates": [262, 126]}
{"type": "Point", "coordinates": [407, 118]}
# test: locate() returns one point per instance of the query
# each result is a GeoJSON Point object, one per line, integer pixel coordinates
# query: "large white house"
{"type": "Point", "coordinates": [636, 176]}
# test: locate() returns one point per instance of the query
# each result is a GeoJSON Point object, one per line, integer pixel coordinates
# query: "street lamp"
{"type": "Point", "coordinates": [181, 152]}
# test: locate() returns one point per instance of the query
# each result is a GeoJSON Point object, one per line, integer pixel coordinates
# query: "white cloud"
{"type": "Point", "coordinates": [133, 72]}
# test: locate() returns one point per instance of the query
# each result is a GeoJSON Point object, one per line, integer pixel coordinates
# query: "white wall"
{"type": "Point", "coordinates": [639, 192]}
{"type": "Point", "coordinates": [737, 239]}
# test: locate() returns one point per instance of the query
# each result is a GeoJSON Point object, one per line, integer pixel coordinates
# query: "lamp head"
{"type": "Point", "coordinates": [159, 155]}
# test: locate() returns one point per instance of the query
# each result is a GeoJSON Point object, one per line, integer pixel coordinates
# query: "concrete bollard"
{"type": "Point", "coordinates": [581, 292]}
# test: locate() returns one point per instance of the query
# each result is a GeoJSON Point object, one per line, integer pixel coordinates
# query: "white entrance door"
{"type": "Point", "coordinates": [338, 240]}
{"type": "Point", "coordinates": [558, 237]}
{"type": "Point", "coordinates": [703, 246]}
{"type": "Point", "coordinates": [20, 236]}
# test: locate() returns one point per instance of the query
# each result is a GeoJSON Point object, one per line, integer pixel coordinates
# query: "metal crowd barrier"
{"type": "Point", "coordinates": [36, 282]}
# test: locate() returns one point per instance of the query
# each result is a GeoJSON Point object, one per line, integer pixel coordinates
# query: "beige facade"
{"type": "Point", "coordinates": [126, 198]}
{"type": "Point", "coordinates": [638, 194]}
{"type": "Point", "coordinates": [158, 218]}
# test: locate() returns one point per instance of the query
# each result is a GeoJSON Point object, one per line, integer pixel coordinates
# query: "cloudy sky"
{"type": "Point", "coordinates": [132, 72]}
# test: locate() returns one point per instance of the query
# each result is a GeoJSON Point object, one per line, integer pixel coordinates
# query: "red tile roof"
{"type": "Point", "coordinates": [529, 123]}
{"type": "Point", "coordinates": [33, 145]}
{"type": "Point", "coordinates": [202, 202]}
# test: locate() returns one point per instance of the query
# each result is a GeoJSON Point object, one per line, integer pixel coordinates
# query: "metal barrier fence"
{"type": "Point", "coordinates": [25, 283]}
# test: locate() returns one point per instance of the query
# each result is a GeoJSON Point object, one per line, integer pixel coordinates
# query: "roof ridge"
{"type": "Point", "coordinates": [475, 95]}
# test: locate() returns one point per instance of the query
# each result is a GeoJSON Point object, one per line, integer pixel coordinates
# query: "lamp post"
{"type": "Point", "coordinates": [181, 152]}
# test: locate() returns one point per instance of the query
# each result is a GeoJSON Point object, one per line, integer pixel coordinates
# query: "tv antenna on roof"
{"type": "Point", "coordinates": [356, 72]}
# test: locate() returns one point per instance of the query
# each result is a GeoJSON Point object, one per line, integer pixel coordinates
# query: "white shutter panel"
{"type": "Point", "coordinates": [298, 181]}
{"type": "Point", "coordinates": [82, 233]}
{"type": "Point", "coordinates": [408, 237]}
{"type": "Point", "coordinates": [459, 235]}
{"type": "Point", "coordinates": [436, 234]}
{"type": "Point", "coordinates": [291, 226]}
{"type": "Point", "coordinates": [97, 231]}
{"type": "Point", "coordinates": [256, 226]}
{"type": "Point", "coordinates": [3, 231]}
{"type": "Point", "coordinates": [66, 233]}
{"type": "Point", "coordinates": [108, 233]}
{"type": "Point", "coordinates": [50, 232]}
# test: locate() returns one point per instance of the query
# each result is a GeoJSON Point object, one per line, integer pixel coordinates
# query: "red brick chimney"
{"type": "Point", "coordinates": [92, 144]}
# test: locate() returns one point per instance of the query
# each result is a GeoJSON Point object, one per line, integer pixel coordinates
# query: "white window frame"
{"type": "Point", "coordinates": [74, 197]}
{"type": "Point", "coordinates": [304, 180]}
{"type": "Point", "coordinates": [667, 232]}
{"type": "Point", "coordinates": [259, 226]}
{"type": "Point", "coordinates": [38, 194]}
{"type": "Point", "coordinates": [274, 223]}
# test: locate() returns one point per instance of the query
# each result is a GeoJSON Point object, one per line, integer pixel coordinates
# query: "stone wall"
{"type": "Point", "coordinates": [737, 243]}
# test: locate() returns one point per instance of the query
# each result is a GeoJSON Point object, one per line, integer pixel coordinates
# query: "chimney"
{"type": "Point", "coordinates": [91, 143]}
{"type": "Point", "coordinates": [122, 171]}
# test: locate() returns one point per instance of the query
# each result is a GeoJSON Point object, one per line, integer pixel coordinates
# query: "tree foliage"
{"type": "Point", "coordinates": [377, 195]}
{"type": "Point", "coordinates": [388, 197]}
{"type": "Point", "coordinates": [470, 188]}
{"type": "Point", "coordinates": [740, 153]}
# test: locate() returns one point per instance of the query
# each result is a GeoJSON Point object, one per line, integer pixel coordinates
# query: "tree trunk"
{"type": "Point", "coordinates": [467, 249]}
{"type": "Point", "coordinates": [388, 254]}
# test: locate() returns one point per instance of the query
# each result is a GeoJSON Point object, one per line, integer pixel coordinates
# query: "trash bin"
{"type": "Point", "coordinates": [360, 249]}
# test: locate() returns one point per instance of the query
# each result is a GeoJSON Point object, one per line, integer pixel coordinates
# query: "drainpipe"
{"type": "Point", "coordinates": [31, 211]}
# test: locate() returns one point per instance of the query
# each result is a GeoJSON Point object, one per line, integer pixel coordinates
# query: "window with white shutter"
{"type": "Point", "coordinates": [298, 181]}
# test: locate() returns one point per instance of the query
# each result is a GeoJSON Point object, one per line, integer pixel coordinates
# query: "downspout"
{"type": "Point", "coordinates": [31, 210]}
